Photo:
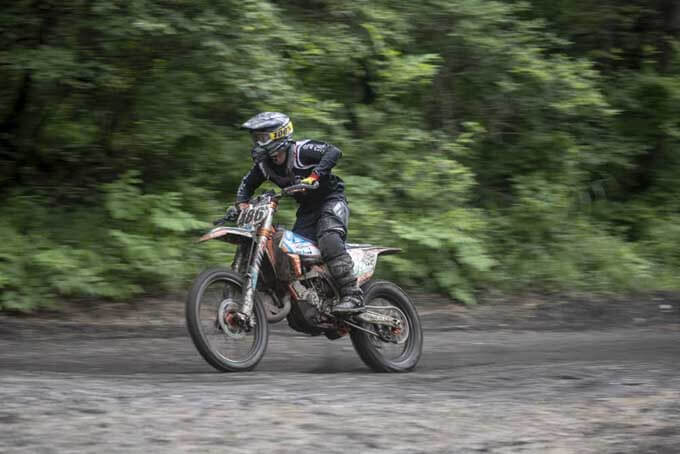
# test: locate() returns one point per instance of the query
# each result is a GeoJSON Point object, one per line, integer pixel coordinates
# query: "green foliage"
{"type": "Point", "coordinates": [521, 145]}
{"type": "Point", "coordinates": [139, 243]}
{"type": "Point", "coordinates": [659, 245]}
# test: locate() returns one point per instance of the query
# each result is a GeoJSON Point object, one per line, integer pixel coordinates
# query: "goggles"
{"type": "Point", "coordinates": [263, 139]}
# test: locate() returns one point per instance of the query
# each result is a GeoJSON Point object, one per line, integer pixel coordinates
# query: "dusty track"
{"type": "Point", "coordinates": [73, 388]}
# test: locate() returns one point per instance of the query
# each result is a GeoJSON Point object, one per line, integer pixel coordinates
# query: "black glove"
{"type": "Point", "coordinates": [230, 216]}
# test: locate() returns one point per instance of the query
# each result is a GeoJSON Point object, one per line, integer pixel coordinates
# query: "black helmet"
{"type": "Point", "coordinates": [271, 131]}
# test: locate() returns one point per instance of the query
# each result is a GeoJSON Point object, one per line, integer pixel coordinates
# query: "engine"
{"type": "Point", "coordinates": [307, 315]}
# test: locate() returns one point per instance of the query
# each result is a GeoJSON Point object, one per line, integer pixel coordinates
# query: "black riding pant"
{"type": "Point", "coordinates": [325, 223]}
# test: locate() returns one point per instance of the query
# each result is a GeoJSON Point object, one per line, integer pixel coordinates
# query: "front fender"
{"type": "Point", "coordinates": [225, 233]}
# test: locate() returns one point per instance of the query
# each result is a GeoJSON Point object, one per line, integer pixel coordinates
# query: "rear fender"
{"type": "Point", "coordinates": [230, 234]}
{"type": "Point", "coordinates": [365, 259]}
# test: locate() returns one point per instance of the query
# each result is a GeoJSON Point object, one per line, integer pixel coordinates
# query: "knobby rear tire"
{"type": "Point", "coordinates": [192, 308]}
{"type": "Point", "coordinates": [369, 354]}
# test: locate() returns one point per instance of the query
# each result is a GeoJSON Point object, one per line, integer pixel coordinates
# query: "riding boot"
{"type": "Point", "coordinates": [342, 270]}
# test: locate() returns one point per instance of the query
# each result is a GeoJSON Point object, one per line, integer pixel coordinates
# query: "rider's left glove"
{"type": "Point", "coordinates": [311, 179]}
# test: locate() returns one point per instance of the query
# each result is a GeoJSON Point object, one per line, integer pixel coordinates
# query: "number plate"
{"type": "Point", "coordinates": [253, 216]}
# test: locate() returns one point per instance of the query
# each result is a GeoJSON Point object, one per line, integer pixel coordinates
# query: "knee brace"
{"type": "Point", "coordinates": [331, 245]}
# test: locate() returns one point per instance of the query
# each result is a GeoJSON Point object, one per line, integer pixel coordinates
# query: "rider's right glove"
{"type": "Point", "coordinates": [232, 214]}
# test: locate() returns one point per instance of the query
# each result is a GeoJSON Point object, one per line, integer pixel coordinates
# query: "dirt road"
{"type": "Point", "coordinates": [72, 388]}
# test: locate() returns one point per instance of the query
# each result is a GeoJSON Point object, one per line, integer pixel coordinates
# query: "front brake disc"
{"type": "Point", "coordinates": [226, 317]}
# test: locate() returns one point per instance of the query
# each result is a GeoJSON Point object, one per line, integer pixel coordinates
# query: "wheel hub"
{"type": "Point", "coordinates": [228, 319]}
{"type": "Point", "coordinates": [397, 331]}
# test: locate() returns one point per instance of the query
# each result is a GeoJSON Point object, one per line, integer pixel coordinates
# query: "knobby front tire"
{"type": "Point", "coordinates": [208, 291]}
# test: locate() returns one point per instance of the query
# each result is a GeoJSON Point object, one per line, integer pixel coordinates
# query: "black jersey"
{"type": "Point", "coordinates": [304, 157]}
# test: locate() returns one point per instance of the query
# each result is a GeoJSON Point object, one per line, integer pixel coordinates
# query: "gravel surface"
{"type": "Point", "coordinates": [113, 387]}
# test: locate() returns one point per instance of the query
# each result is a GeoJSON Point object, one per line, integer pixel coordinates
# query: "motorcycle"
{"type": "Point", "coordinates": [276, 274]}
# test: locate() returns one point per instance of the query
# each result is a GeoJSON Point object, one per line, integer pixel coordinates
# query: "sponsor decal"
{"type": "Point", "coordinates": [296, 244]}
{"type": "Point", "coordinates": [364, 262]}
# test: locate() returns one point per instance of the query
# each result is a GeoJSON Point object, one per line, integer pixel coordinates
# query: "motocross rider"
{"type": "Point", "coordinates": [323, 213]}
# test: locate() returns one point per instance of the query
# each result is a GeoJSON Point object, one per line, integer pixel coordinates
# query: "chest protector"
{"type": "Point", "coordinates": [281, 181]}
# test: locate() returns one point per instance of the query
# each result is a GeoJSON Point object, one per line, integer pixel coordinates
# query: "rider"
{"type": "Point", "coordinates": [323, 214]}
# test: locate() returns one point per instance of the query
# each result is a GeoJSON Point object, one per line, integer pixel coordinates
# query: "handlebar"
{"type": "Point", "coordinates": [233, 212]}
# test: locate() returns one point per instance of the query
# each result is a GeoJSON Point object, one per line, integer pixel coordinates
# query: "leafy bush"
{"type": "Point", "coordinates": [135, 243]}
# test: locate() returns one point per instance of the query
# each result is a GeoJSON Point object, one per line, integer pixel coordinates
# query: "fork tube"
{"type": "Point", "coordinates": [264, 234]}
{"type": "Point", "coordinates": [237, 263]}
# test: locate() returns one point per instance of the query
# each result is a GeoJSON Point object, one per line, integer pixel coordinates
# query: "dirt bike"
{"type": "Point", "coordinates": [276, 274]}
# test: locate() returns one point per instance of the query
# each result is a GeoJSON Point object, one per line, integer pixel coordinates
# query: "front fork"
{"type": "Point", "coordinates": [264, 235]}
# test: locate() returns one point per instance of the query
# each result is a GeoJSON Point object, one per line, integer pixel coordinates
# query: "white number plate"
{"type": "Point", "coordinates": [251, 217]}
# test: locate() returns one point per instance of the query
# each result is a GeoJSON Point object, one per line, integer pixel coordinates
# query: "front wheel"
{"type": "Point", "coordinates": [389, 352]}
{"type": "Point", "coordinates": [211, 307]}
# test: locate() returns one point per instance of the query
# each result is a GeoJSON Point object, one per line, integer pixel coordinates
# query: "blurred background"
{"type": "Point", "coordinates": [518, 146]}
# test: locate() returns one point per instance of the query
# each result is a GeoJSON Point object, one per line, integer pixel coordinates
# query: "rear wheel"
{"type": "Point", "coordinates": [218, 334]}
{"type": "Point", "coordinates": [392, 350]}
